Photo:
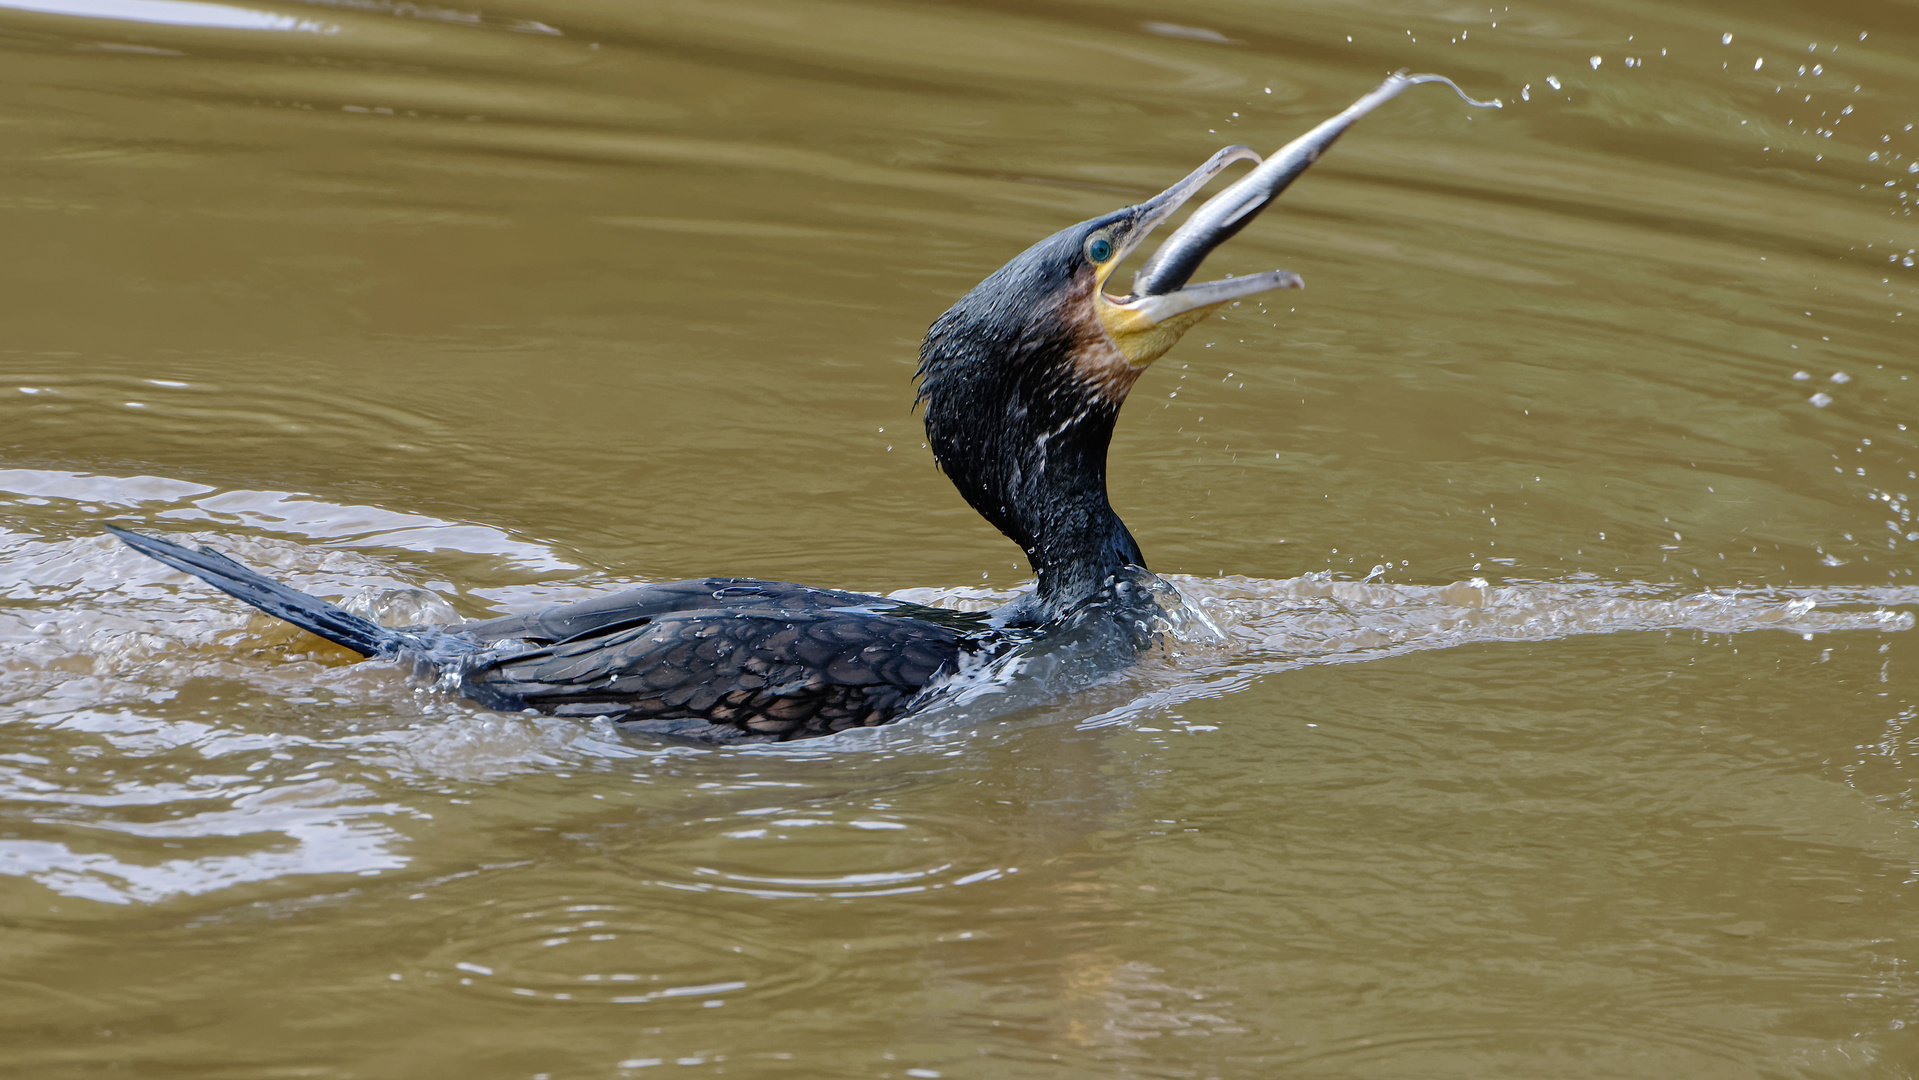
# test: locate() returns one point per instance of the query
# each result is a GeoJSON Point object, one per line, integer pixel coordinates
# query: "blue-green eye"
{"type": "Point", "coordinates": [1099, 250]}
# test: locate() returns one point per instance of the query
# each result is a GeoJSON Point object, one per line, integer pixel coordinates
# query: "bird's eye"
{"type": "Point", "coordinates": [1099, 250]}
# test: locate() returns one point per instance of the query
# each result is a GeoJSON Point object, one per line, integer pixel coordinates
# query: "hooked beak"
{"type": "Point", "coordinates": [1163, 305]}
{"type": "Point", "coordinates": [1145, 326]}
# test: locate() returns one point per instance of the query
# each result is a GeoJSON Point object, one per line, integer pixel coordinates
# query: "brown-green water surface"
{"type": "Point", "coordinates": [1560, 534]}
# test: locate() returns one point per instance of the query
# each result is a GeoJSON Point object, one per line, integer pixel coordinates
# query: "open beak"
{"type": "Point", "coordinates": [1163, 305]}
{"type": "Point", "coordinates": [1144, 325]}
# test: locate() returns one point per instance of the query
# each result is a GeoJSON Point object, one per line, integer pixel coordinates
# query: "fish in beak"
{"type": "Point", "coordinates": [1164, 303]}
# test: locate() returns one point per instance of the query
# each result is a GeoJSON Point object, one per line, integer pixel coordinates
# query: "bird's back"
{"type": "Point", "coordinates": [720, 659]}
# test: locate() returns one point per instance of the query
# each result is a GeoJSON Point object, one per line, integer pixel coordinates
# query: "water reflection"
{"type": "Point", "coordinates": [295, 829]}
{"type": "Point", "coordinates": [175, 13]}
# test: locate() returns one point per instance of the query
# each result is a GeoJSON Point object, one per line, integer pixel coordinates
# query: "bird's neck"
{"type": "Point", "coordinates": [1027, 449]}
{"type": "Point", "coordinates": [1077, 562]}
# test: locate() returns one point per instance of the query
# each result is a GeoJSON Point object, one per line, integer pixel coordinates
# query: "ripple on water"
{"type": "Point", "coordinates": [140, 842]}
{"type": "Point", "coordinates": [470, 744]}
{"type": "Point", "coordinates": [826, 853]}
{"type": "Point", "coordinates": [620, 952]}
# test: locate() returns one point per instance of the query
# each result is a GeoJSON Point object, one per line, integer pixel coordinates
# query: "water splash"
{"type": "Point", "coordinates": [1244, 628]}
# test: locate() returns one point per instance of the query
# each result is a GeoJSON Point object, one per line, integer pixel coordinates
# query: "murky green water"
{"type": "Point", "coordinates": [1559, 530]}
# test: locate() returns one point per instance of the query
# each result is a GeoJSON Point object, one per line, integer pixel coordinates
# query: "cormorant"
{"type": "Point", "coordinates": [1021, 381]}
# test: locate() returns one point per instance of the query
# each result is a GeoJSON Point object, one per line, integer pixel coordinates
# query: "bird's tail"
{"type": "Point", "coordinates": [309, 613]}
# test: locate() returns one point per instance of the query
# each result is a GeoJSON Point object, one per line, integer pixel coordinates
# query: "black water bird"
{"type": "Point", "coordinates": [1021, 381]}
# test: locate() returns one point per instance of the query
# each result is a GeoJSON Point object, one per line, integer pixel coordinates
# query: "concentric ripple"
{"type": "Point", "coordinates": [825, 853]}
{"type": "Point", "coordinates": [619, 952]}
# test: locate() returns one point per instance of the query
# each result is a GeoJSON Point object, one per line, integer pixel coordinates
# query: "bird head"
{"type": "Point", "coordinates": [1048, 316]}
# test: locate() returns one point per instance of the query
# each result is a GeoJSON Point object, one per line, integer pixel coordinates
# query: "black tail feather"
{"type": "Point", "coordinates": [309, 613]}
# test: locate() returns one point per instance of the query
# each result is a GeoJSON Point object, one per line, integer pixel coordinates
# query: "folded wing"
{"type": "Point", "coordinates": [766, 673]}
